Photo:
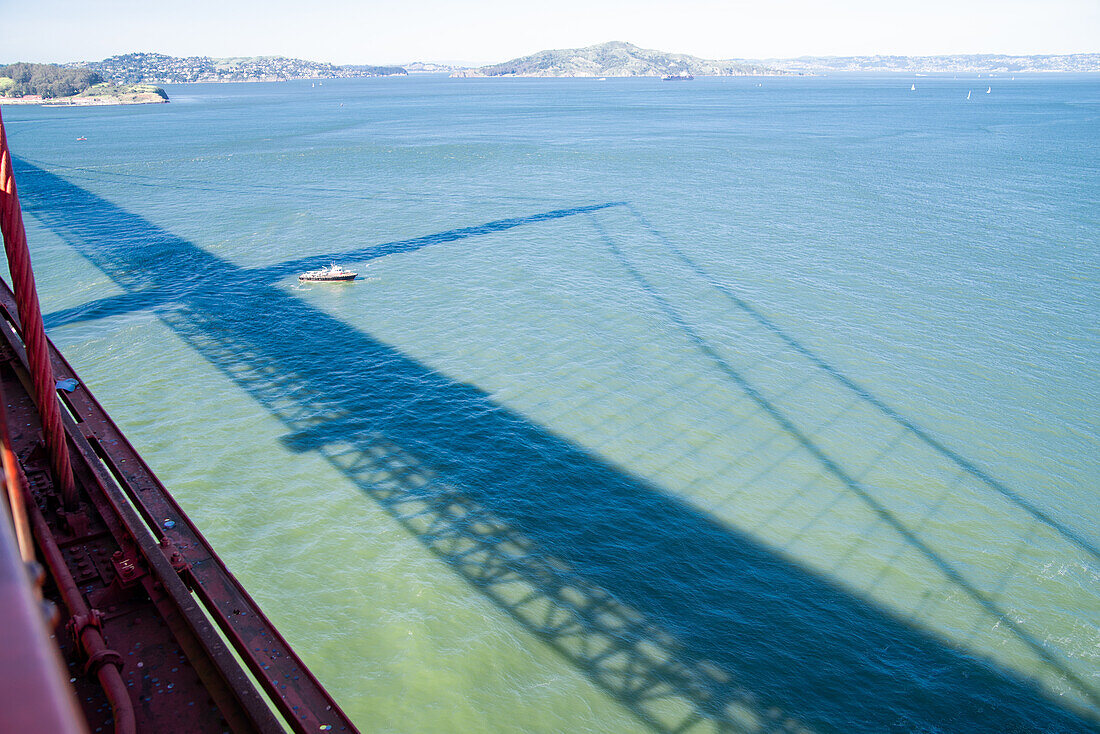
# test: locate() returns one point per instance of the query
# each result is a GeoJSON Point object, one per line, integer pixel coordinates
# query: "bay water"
{"type": "Point", "coordinates": [736, 404]}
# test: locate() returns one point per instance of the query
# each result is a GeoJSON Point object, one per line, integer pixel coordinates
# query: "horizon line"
{"type": "Point", "coordinates": [465, 64]}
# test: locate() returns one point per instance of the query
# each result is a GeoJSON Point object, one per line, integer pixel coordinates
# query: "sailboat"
{"type": "Point", "coordinates": [913, 88]}
{"type": "Point", "coordinates": [968, 94]}
{"type": "Point", "coordinates": [988, 90]}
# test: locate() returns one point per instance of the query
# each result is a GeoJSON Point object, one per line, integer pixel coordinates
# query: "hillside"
{"type": "Point", "coordinates": [614, 58]}
{"type": "Point", "coordinates": [161, 69]}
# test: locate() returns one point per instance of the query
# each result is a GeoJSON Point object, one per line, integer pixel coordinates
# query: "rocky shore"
{"type": "Point", "coordinates": [84, 100]}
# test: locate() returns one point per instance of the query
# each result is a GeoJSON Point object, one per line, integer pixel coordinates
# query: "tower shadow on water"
{"type": "Point", "coordinates": [686, 622]}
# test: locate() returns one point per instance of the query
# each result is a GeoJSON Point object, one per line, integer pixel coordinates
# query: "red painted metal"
{"type": "Point", "coordinates": [34, 333]}
{"type": "Point", "coordinates": [151, 636]}
{"type": "Point", "coordinates": [35, 697]}
{"type": "Point", "coordinates": [16, 489]}
{"type": "Point", "coordinates": [86, 629]}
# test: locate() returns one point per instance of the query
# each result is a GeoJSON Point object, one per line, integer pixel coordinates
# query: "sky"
{"type": "Point", "coordinates": [488, 31]}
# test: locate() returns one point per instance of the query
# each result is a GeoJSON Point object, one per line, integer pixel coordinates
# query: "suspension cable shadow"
{"type": "Point", "coordinates": [863, 393]}
{"type": "Point", "coordinates": [151, 295]}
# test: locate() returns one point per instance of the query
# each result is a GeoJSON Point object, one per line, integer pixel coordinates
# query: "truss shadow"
{"type": "Point", "coordinates": [689, 624]}
{"type": "Point", "coordinates": [861, 392]}
{"type": "Point", "coordinates": [835, 464]}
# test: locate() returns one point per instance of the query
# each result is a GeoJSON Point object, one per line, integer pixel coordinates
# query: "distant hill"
{"type": "Point", "coordinates": [981, 63]}
{"type": "Point", "coordinates": [615, 58]}
{"type": "Point", "coordinates": [161, 69]}
{"type": "Point", "coordinates": [429, 67]}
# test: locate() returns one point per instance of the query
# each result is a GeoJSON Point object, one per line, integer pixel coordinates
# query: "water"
{"type": "Point", "coordinates": [706, 406]}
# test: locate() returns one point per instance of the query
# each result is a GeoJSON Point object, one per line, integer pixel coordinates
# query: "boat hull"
{"type": "Point", "coordinates": [329, 278]}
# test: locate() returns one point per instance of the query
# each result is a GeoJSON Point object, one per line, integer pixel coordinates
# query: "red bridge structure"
{"type": "Point", "coordinates": [115, 612]}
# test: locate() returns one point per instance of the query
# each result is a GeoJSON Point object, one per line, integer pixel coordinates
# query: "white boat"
{"type": "Point", "coordinates": [332, 274]}
{"type": "Point", "coordinates": [678, 77]}
{"type": "Point", "coordinates": [912, 87]}
{"type": "Point", "coordinates": [988, 90]}
{"type": "Point", "coordinates": [968, 93]}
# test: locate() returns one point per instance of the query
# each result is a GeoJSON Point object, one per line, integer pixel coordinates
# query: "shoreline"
{"type": "Point", "coordinates": [87, 101]}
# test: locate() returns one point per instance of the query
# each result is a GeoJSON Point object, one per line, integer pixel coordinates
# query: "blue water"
{"type": "Point", "coordinates": [731, 405]}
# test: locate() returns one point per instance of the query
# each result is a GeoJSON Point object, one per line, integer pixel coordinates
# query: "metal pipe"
{"type": "Point", "coordinates": [90, 638]}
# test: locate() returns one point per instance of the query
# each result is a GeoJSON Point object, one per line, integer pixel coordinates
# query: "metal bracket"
{"type": "Point", "coordinates": [127, 572]}
{"type": "Point", "coordinates": [172, 553]}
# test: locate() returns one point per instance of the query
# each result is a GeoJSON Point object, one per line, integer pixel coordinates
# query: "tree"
{"type": "Point", "coordinates": [47, 80]}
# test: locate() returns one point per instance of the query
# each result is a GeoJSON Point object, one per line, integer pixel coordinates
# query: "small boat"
{"type": "Point", "coordinates": [81, 138]}
{"type": "Point", "coordinates": [968, 93]}
{"type": "Point", "coordinates": [988, 90]}
{"type": "Point", "coordinates": [912, 87]}
{"type": "Point", "coordinates": [682, 76]}
{"type": "Point", "coordinates": [332, 274]}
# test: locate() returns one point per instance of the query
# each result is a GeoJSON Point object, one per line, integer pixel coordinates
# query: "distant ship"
{"type": "Point", "coordinates": [332, 274]}
{"type": "Point", "coordinates": [968, 93]}
{"type": "Point", "coordinates": [912, 87]}
{"type": "Point", "coordinates": [682, 76]}
{"type": "Point", "coordinates": [988, 90]}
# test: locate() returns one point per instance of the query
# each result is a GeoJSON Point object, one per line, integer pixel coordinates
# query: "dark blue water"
{"type": "Point", "coordinates": [743, 404]}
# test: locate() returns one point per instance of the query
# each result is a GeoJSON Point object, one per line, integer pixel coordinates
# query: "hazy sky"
{"type": "Point", "coordinates": [482, 31]}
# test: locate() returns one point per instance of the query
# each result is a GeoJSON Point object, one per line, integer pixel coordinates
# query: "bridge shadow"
{"type": "Point", "coordinates": [688, 623]}
{"type": "Point", "coordinates": [835, 464]}
{"type": "Point", "coordinates": [859, 391]}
